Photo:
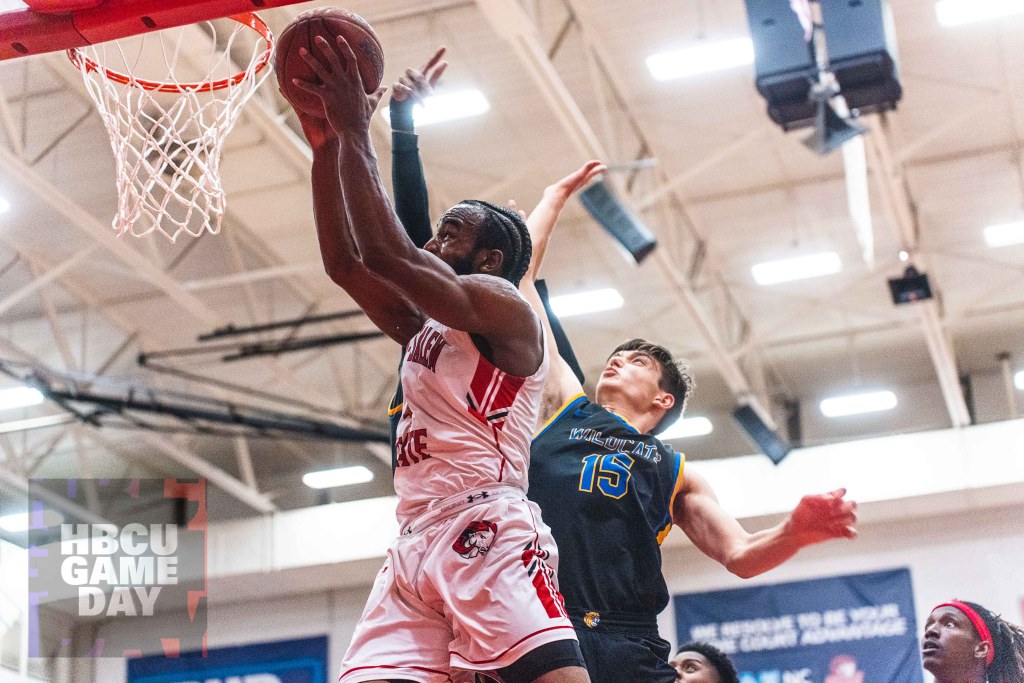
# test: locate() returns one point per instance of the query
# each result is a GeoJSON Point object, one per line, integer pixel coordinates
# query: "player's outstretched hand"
{"type": "Point", "coordinates": [417, 85]}
{"type": "Point", "coordinates": [565, 187]}
{"type": "Point", "coordinates": [414, 87]}
{"type": "Point", "coordinates": [340, 88]}
{"type": "Point", "coordinates": [822, 517]}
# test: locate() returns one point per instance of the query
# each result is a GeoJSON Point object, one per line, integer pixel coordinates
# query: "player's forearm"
{"type": "Point", "coordinates": [410, 188]}
{"type": "Point", "coordinates": [388, 253]}
{"type": "Point", "coordinates": [336, 247]}
{"type": "Point", "coordinates": [560, 383]}
{"type": "Point", "coordinates": [379, 238]}
{"type": "Point", "coordinates": [762, 551]}
{"type": "Point", "coordinates": [541, 224]}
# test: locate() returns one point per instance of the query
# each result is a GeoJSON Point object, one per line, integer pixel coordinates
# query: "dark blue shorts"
{"type": "Point", "coordinates": [617, 653]}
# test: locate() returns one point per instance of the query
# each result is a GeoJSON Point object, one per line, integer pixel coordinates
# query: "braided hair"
{"type": "Point", "coordinates": [504, 230]}
{"type": "Point", "coordinates": [1008, 643]}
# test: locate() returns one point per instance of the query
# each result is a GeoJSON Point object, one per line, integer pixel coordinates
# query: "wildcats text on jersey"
{"type": "Point", "coordinates": [614, 443]}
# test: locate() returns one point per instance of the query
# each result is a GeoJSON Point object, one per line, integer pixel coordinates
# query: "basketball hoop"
{"type": "Point", "coordinates": [168, 134]}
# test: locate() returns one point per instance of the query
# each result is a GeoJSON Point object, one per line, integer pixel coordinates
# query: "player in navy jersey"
{"type": "Point", "coordinates": [611, 491]}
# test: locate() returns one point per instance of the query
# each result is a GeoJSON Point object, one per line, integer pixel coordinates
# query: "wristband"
{"type": "Point", "coordinates": [401, 114]}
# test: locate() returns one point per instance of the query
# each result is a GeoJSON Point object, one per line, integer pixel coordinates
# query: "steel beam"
{"type": "Point", "coordinates": [244, 458]}
{"type": "Point", "coordinates": [214, 475]}
{"type": "Point", "coordinates": [78, 217]}
{"type": "Point", "coordinates": [678, 181]}
{"type": "Point", "coordinates": [7, 121]}
{"type": "Point", "coordinates": [253, 275]}
{"type": "Point", "coordinates": [59, 336]}
{"type": "Point", "coordinates": [40, 280]}
{"type": "Point", "coordinates": [76, 511]}
{"type": "Point", "coordinates": [902, 217]}
{"type": "Point", "coordinates": [36, 423]}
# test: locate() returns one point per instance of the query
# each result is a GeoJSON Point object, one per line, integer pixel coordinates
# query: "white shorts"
{"type": "Point", "coordinates": [468, 586]}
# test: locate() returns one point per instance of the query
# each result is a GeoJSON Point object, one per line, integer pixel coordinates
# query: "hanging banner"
{"type": "Point", "coordinates": [846, 629]}
{"type": "Point", "coordinates": [286, 661]}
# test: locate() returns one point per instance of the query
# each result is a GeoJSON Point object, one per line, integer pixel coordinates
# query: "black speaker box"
{"type": "Point", "coordinates": [626, 228]}
{"type": "Point", "coordinates": [861, 50]}
{"type": "Point", "coordinates": [770, 443]}
{"type": "Point", "coordinates": [783, 63]}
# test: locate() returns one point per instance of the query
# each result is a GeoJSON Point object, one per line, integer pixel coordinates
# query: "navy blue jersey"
{"type": "Point", "coordinates": [606, 491]}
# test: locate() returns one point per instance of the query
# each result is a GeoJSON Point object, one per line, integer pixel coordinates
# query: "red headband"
{"type": "Point", "coordinates": [979, 626]}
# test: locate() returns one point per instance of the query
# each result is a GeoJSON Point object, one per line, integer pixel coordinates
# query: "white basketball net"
{"type": "Point", "coordinates": [168, 134]}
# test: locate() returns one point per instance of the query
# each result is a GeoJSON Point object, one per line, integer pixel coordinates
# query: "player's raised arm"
{"type": "Point", "coordinates": [718, 535]}
{"type": "Point", "coordinates": [448, 279]}
{"type": "Point", "coordinates": [544, 216]}
{"type": "Point", "coordinates": [391, 312]}
{"type": "Point", "coordinates": [407, 180]}
{"type": "Point", "coordinates": [561, 384]}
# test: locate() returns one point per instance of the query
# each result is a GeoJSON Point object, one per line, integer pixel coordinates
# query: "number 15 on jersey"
{"type": "Point", "coordinates": [609, 472]}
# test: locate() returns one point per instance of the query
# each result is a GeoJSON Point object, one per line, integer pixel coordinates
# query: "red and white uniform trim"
{"type": "Point", "coordinates": [466, 424]}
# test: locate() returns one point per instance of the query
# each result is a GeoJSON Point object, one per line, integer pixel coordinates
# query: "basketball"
{"type": "Point", "coordinates": [328, 22]}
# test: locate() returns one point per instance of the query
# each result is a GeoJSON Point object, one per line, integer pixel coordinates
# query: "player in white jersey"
{"type": "Point", "coordinates": [467, 586]}
{"type": "Point", "coordinates": [465, 423]}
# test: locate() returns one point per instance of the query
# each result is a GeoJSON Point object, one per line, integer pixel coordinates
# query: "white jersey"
{"type": "Point", "coordinates": [465, 424]}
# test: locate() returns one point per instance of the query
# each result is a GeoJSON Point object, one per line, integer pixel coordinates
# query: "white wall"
{"type": "Point", "coordinates": [977, 555]}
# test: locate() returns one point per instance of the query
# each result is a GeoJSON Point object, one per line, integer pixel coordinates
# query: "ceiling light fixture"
{"type": "Point", "coordinates": [1018, 380]}
{"type": "Point", "coordinates": [855, 404]}
{"type": "Point", "coordinates": [340, 476]}
{"type": "Point", "coordinates": [447, 107]}
{"type": "Point", "coordinates": [798, 268]}
{"type": "Point", "coordinates": [960, 12]}
{"type": "Point", "coordinates": [701, 58]}
{"type": "Point", "coordinates": [580, 303]}
{"type": "Point", "coordinates": [20, 397]}
{"type": "Point", "coordinates": [1005, 234]}
{"type": "Point", "coordinates": [5, 205]}
{"type": "Point", "coordinates": [686, 427]}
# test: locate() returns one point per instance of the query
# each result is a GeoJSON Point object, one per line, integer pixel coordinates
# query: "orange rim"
{"type": "Point", "coordinates": [250, 19]}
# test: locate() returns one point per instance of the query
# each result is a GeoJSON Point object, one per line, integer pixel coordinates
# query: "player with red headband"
{"type": "Point", "coordinates": [966, 643]}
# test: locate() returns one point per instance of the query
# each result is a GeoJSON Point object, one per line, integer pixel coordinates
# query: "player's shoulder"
{"type": "Point", "coordinates": [502, 298]}
{"type": "Point", "coordinates": [493, 284]}
{"type": "Point", "coordinates": [569, 412]}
